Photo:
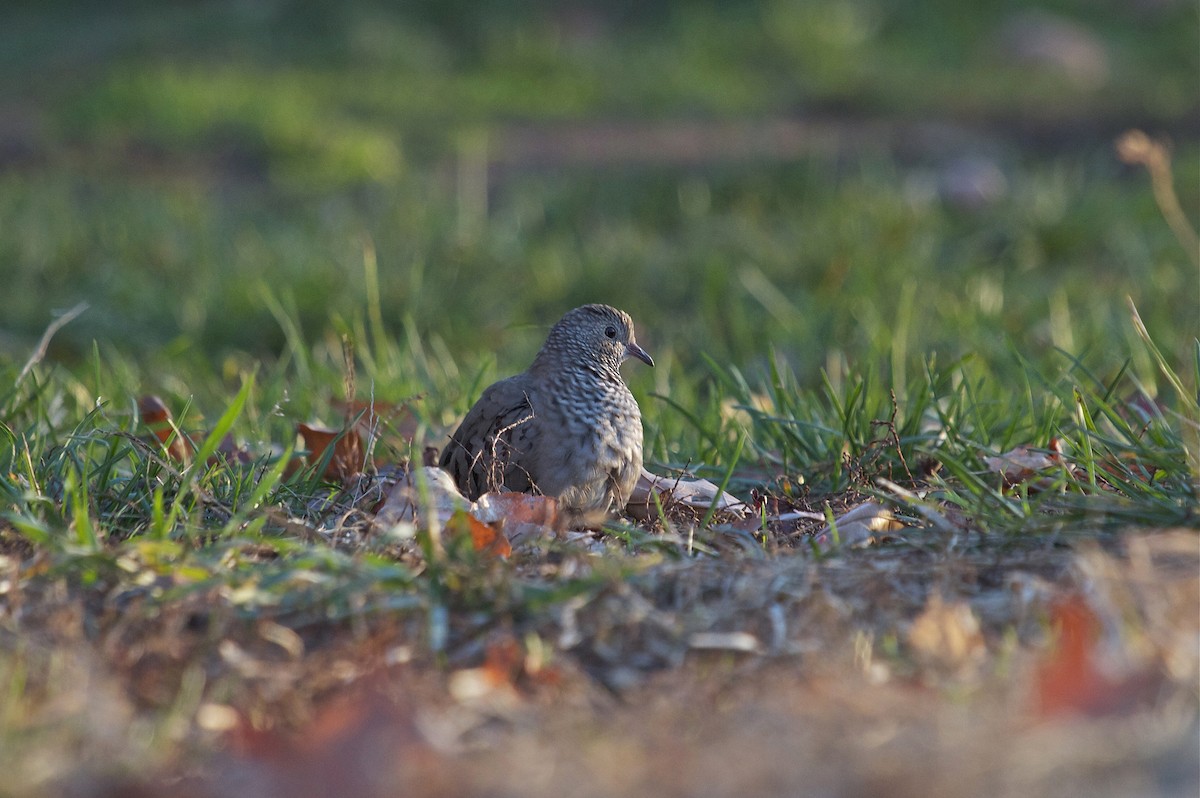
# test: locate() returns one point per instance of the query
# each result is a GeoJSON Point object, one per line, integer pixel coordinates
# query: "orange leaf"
{"type": "Point", "coordinates": [488, 539]}
{"type": "Point", "coordinates": [496, 679]}
{"type": "Point", "coordinates": [522, 508]}
{"type": "Point", "coordinates": [356, 744]}
{"type": "Point", "coordinates": [484, 537]}
{"type": "Point", "coordinates": [1067, 680]}
{"type": "Point", "coordinates": [157, 419]}
{"type": "Point", "coordinates": [504, 660]}
{"type": "Point", "coordinates": [347, 458]}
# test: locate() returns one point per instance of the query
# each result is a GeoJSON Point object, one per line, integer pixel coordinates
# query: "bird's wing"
{"type": "Point", "coordinates": [487, 449]}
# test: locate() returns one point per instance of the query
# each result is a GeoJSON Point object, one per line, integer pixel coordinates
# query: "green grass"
{"type": "Point", "coordinates": [238, 161]}
{"type": "Point", "coordinates": [234, 199]}
{"type": "Point", "coordinates": [828, 268]}
{"type": "Point", "coordinates": [78, 475]}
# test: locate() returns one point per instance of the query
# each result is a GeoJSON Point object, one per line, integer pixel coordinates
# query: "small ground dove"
{"type": "Point", "coordinates": [567, 427]}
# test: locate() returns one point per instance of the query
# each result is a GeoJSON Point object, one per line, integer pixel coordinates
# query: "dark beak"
{"type": "Point", "coordinates": [633, 350]}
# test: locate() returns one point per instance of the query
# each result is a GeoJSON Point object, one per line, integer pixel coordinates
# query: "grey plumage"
{"type": "Point", "coordinates": [566, 427]}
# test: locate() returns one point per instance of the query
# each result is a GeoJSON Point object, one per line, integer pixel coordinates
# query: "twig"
{"type": "Point", "coordinates": [44, 344]}
{"type": "Point", "coordinates": [894, 436]}
{"type": "Point", "coordinates": [1135, 147]}
{"type": "Point", "coordinates": [497, 469]}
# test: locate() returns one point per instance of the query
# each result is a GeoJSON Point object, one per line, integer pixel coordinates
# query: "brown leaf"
{"type": "Point", "coordinates": [504, 660]}
{"type": "Point", "coordinates": [1018, 465]}
{"type": "Point", "coordinates": [495, 681]}
{"type": "Point", "coordinates": [430, 457]}
{"type": "Point", "coordinates": [725, 641]}
{"type": "Point", "coordinates": [507, 663]}
{"type": "Point", "coordinates": [229, 450]}
{"type": "Point", "coordinates": [428, 497]}
{"type": "Point", "coordinates": [347, 458]}
{"type": "Point", "coordinates": [157, 419]}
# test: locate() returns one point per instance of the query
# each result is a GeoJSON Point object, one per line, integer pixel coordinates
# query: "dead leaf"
{"type": "Point", "coordinates": [1023, 463]}
{"type": "Point", "coordinates": [1141, 408]}
{"type": "Point", "coordinates": [217, 717]}
{"type": "Point", "coordinates": [861, 525]}
{"type": "Point", "coordinates": [422, 498]}
{"type": "Point", "coordinates": [523, 517]}
{"type": "Point", "coordinates": [696, 493]}
{"type": "Point", "coordinates": [517, 508]}
{"type": "Point", "coordinates": [1068, 679]}
{"type": "Point", "coordinates": [430, 456]}
{"type": "Point", "coordinates": [157, 419]}
{"type": "Point", "coordinates": [725, 641]}
{"type": "Point", "coordinates": [507, 664]}
{"type": "Point", "coordinates": [740, 412]}
{"type": "Point", "coordinates": [948, 635]}
{"type": "Point", "coordinates": [428, 498]}
{"type": "Point", "coordinates": [354, 745]}
{"type": "Point", "coordinates": [229, 450]}
{"type": "Point", "coordinates": [494, 682]}
{"type": "Point", "coordinates": [347, 458]}
{"type": "Point", "coordinates": [485, 538]}
{"type": "Point", "coordinates": [179, 447]}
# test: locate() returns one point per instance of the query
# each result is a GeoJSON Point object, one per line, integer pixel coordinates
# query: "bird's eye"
{"type": "Point", "coordinates": [610, 331]}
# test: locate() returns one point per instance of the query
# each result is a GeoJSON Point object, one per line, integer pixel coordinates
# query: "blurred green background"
{"type": "Point", "coordinates": [846, 184]}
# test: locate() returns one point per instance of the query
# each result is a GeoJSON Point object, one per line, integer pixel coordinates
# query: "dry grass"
{"type": "Point", "coordinates": [902, 670]}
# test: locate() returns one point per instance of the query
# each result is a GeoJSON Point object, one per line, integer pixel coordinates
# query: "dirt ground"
{"type": "Point", "coordinates": [955, 667]}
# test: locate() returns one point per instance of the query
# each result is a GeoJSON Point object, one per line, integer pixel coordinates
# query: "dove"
{"type": "Point", "coordinates": [566, 427]}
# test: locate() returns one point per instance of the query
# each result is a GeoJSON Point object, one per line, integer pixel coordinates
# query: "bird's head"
{"type": "Point", "coordinates": [594, 334]}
